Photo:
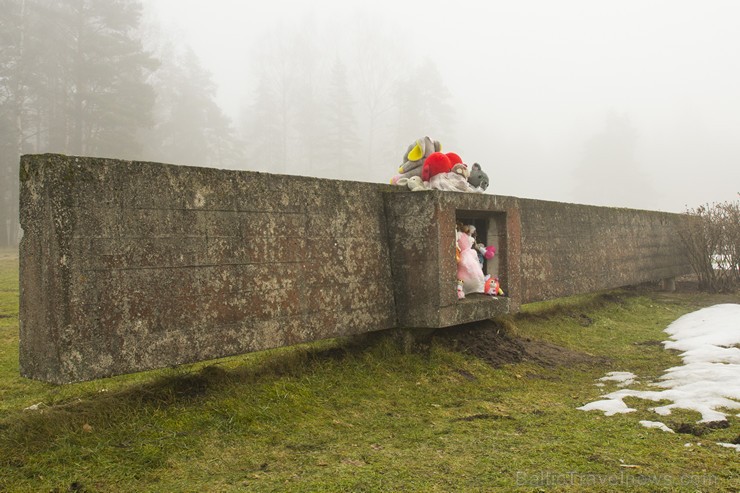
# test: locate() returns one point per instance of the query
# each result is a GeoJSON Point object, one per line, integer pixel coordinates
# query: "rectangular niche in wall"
{"type": "Point", "coordinates": [490, 230]}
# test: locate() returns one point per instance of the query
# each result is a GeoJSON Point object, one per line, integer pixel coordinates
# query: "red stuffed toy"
{"type": "Point", "coordinates": [454, 159]}
{"type": "Point", "coordinates": [435, 164]}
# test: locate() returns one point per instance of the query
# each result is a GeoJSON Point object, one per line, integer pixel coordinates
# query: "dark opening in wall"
{"type": "Point", "coordinates": [491, 231]}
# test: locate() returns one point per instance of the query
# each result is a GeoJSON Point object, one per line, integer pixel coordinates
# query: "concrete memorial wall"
{"type": "Point", "coordinates": [128, 266]}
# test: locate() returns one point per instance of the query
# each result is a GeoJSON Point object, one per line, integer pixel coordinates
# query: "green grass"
{"type": "Point", "coordinates": [368, 414]}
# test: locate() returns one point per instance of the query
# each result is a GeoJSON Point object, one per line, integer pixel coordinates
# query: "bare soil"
{"type": "Point", "coordinates": [492, 343]}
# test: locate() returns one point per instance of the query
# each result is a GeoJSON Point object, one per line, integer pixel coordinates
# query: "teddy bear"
{"type": "Point", "coordinates": [477, 177]}
{"type": "Point", "coordinates": [462, 170]}
{"type": "Point", "coordinates": [447, 172]}
{"type": "Point", "coordinates": [455, 158]}
{"type": "Point", "coordinates": [414, 183]}
{"type": "Point", "coordinates": [413, 158]}
{"type": "Point", "coordinates": [437, 163]}
{"type": "Point", "coordinates": [433, 170]}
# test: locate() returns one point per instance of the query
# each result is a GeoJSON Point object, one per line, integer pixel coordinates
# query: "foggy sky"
{"type": "Point", "coordinates": [537, 86]}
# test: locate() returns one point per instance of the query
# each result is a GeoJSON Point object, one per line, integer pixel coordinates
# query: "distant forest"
{"type": "Point", "coordinates": [85, 77]}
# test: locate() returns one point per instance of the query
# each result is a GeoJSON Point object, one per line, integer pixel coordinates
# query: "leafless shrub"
{"type": "Point", "coordinates": [711, 235]}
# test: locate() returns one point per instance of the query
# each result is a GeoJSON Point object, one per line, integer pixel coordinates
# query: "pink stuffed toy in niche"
{"type": "Point", "coordinates": [471, 278]}
{"type": "Point", "coordinates": [469, 270]}
{"type": "Point", "coordinates": [485, 252]}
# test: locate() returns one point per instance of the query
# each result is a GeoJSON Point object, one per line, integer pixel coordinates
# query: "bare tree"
{"type": "Point", "coordinates": [190, 127]}
{"type": "Point", "coordinates": [711, 235]}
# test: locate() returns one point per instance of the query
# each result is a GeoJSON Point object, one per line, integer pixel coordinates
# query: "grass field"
{"type": "Point", "coordinates": [444, 412]}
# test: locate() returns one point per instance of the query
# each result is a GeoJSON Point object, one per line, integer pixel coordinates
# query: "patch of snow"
{"type": "Point", "coordinates": [623, 378]}
{"type": "Point", "coordinates": [656, 424]}
{"type": "Point", "coordinates": [609, 406]}
{"type": "Point", "coordinates": [708, 381]}
{"type": "Point", "coordinates": [730, 445]}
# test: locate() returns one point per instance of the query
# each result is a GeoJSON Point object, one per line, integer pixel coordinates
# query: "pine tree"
{"type": "Point", "coordinates": [110, 97]}
{"type": "Point", "coordinates": [14, 76]}
{"type": "Point", "coordinates": [79, 76]}
{"type": "Point", "coordinates": [309, 108]}
{"type": "Point", "coordinates": [191, 128]}
{"type": "Point", "coordinates": [270, 121]}
{"type": "Point", "coordinates": [342, 143]}
{"type": "Point", "coordinates": [380, 64]}
{"type": "Point", "coordinates": [263, 129]}
{"type": "Point", "coordinates": [424, 105]}
{"type": "Point", "coordinates": [73, 79]}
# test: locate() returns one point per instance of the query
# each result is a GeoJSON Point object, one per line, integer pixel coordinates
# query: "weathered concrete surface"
{"type": "Point", "coordinates": [128, 266]}
{"type": "Point", "coordinates": [569, 248]}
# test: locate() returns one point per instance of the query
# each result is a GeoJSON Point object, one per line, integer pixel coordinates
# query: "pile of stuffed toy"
{"type": "Point", "coordinates": [470, 255]}
{"type": "Point", "coordinates": [425, 167]}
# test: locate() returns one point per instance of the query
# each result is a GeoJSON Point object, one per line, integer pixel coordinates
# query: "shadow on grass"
{"type": "Point", "coordinates": [28, 431]}
{"type": "Point", "coordinates": [493, 341]}
{"type": "Point", "coordinates": [578, 307]}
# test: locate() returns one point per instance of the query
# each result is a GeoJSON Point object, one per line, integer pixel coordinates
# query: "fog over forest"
{"type": "Point", "coordinates": [630, 104]}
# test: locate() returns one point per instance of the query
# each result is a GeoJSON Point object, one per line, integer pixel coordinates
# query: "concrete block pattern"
{"type": "Point", "coordinates": [128, 266]}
